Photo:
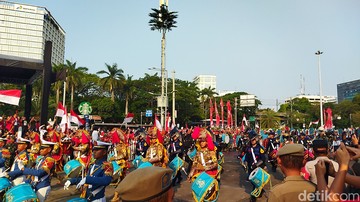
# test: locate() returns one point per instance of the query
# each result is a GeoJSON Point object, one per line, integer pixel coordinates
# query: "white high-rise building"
{"type": "Point", "coordinates": [205, 81]}
{"type": "Point", "coordinates": [24, 29]}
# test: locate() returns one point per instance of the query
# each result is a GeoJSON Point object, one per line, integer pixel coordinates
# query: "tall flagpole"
{"type": "Point", "coordinates": [318, 53]}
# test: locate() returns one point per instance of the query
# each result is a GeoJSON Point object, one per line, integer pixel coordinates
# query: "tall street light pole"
{"type": "Point", "coordinates": [318, 53]}
{"type": "Point", "coordinates": [173, 96]}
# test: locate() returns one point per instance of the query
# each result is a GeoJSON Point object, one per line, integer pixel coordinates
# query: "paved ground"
{"type": "Point", "coordinates": [234, 187]}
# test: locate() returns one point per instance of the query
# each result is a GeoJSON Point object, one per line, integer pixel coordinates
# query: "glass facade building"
{"type": "Point", "coordinates": [348, 90]}
{"type": "Point", "coordinates": [24, 29]}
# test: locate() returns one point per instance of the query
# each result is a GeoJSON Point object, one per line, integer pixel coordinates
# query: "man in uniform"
{"type": "Point", "coordinates": [41, 174]}
{"type": "Point", "coordinates": [255, 156]}
{"type": "Point", "coordinates": [290, 159]}
{"type": "Point", "coordinates": [158, 186]}
{"type": "Point", "coordinates": [271, 149]}
{"type": "Point", "coordinates": [21, 159]}
{"type": "Point", "coordinates": [98, 177]}
{"type": "Point", "coordinates": [156, 153]}
{"type": "Point", "coordinates": [175, 148]}
{"type": "Point", "coordinates": [141, 144]}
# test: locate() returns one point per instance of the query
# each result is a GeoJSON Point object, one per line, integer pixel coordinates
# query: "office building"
{"type": "Point", "coordinates": [313, 98]}
{"type": "Point", "coordinates": [205, 81]}
{"type": "Point", "coordinates": [348, 90]}
{"type": "Point", "coordinates": [24, 29]}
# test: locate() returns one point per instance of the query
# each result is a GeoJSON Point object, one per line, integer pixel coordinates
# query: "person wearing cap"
{"type": "Point", "coordinates": [175, 148]}
{"type": "Point", "coordinates": [150, 184]}
{"type": "Point", "coordinates": [271, 147]}
{"type": "Point", "coordinates": [44, 167]}
{"type": "Point", "coordinates": [290, 160]}
{"type": "Point", "coordinates": [121, 151]}
{"type": "Point", "coordinates": [321, 133]}
{"type": "Point", "coordinates": [205, 159]}
{"type": "Point", "coordinates": [156, 153]}
{"type": "Point", "coordinates": [141, 144]}
{"type": "Point", "coordinates": [321, 152]}
{"type": "Point", "coordinates": [254, 156]}
{"type": "Point", "coordinates": [21, 159]}
{"type": "Point", "coordinates": [98, 177]}
{"type": "Point", "coordinates": [2, 157]}
{"type": "Point", "coordinates": [287, 139]}
{"type": "Point", "coordinates": [304, 140]}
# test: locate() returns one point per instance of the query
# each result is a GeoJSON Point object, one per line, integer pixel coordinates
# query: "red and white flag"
{"type": "Point", "coordinates": [158, 124]}
{"type": "Point", "coordinates": [129, 117]}
{"type": "Point", "coordinates": [314, 123]}
{"type": "Point", "coordinates": [60, 111]}
{"type": "Point", "coordinates": [74, 118]}
{"type": "Point", "coordinates": [65, 122]}
{"type": "Point", "coordinates": [10, 96]}
{"type": "Point", "coordinates": [229, 115]}
{"type": "Point", "coordinates": [168, 123]}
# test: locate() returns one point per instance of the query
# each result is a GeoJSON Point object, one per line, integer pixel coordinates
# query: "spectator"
{"type": "Point", "coordinates": [150, 184]}
{"type": "Point", "coordinates": [321, 149]}
{"type": "Point", "coordinates": [290, 160]}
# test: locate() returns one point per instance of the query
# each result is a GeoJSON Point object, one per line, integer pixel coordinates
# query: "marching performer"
{"type": "Point", "coordinates": [175, 149]}
{"type": "Point", "coordinates": [98, 177]}
{"type": "Point", "coordinates": [205, 159]}
{"type": "Point", "coordinates": [41, 174]}
{"type": "Point", "coordinates": [82, 152]}
{"type": "Point", "coordinates": [271, 148]}
{"type": "Point", "coordinates": [156, 153]}
{"type": "Point", "coordinates": [121, 151]}
{"type": "Point", "coordinates": [141, 144]}
{"type": "Point", "coordinates": [255, 156]}
{"type": "Point", "coordinates": [21, 159]}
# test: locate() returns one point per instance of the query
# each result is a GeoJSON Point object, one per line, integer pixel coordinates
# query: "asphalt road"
{"type": "Point", "coordinates": [233, 188]}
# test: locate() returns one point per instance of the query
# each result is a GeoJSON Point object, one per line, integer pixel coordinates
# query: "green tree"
{"type": "Point", "coordinates": [205, 95]}
{"type": "Point", "coordinates": [58, 84]}
{"type": "Point", "coordinates": [73, 78]}
{"type": "Point", "coordinates": [269, 119]}
{"type": "Point", "coordinates": [128, 90]}
{"type": "Point", "coordinates": [113, 79]}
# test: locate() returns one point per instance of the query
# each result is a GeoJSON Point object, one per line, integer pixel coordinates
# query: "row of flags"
{"type": "Point", "coordinates": [213, 107]}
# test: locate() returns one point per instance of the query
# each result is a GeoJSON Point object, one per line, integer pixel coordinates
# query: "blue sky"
{"type": "Point", "coordinates": [259, 46]}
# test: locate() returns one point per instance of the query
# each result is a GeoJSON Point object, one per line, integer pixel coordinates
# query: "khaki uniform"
{"type": "Point", "coordinates": [293, 188]}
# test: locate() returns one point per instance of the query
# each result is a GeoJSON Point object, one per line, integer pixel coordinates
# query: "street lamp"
{"type": "Point", "coordinates": [318, 53]}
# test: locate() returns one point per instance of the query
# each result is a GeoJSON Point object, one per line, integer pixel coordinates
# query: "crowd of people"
{"type": "Point", "coordinates": [322, 163]}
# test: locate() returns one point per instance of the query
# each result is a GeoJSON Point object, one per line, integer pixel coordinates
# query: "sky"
{"type": "Point", "coordinates": [260, 47]}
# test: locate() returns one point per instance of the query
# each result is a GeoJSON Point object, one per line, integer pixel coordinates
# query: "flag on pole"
{"type": "Point", "coordinates": [314, 123]}
{"type": "Point", "coordinates": [229, 115]}
{"type": "Point", "coordinates": [222, 112]}
{"type": "Point", "coordinates": [158, 124]}
{"type": "Point", "coordinates": [129, 117]}
{"type": "Point", "coordinates": [211, 109]}
{"type": "Point", "coordinates": [60, 111]}
{"type": "Point", "coordinates": [168, 123]}
{"type": "Point", "coordinates": [65, 122]}
{"type": "Point", "coordinates": [329, 120]}
{"type": "Point", "coordinates": [10, 96]}
{"type": "Point", "coordinates": [74, 118]}
{"type": "Point", "coordinates": [217, 115]}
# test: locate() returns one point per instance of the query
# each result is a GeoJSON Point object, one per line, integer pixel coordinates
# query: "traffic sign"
{"type": "Point", "coordinates": [148, 113]}
{"type": "Point", "coordinates": [85, 108]}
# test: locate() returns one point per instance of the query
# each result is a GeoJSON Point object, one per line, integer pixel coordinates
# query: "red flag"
{"type": "Point", "coordinates": [222, 112]}
{"type": "Point", "coordinates": [229, 116]}
{"type": "Point", "coordinates": [60, 111]}
{"type": "Point", "coordinates": [329, 121]}
{"type": "Point", "coordinates": [217, 115]}
{"type": "Point", "coordinates": [158, 124]}
{"type": "Point", "coordinates": [129, 117]}
{"type": "Point", "coordinates": [76, 119]}
{"type": "Point", "coordinates": [211, 108]}
{"type": "Point", "coordinates": [10, 96]}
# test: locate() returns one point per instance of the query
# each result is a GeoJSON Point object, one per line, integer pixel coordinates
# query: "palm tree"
{"type": "Point", "coordinates": [73, 78]}
{"type": "Point", "coordinates": [58, 84]}
{"type": "Point", "coordinates": [205, 95]}
{"type": "Point", "coordinates": [269, 119]}
{"type": "Point", "coordinates": [113, 79]}
{"type": "Point", "coordinates": [128, 90]}
{"type": "Point", "coordinates": [162, 20]}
